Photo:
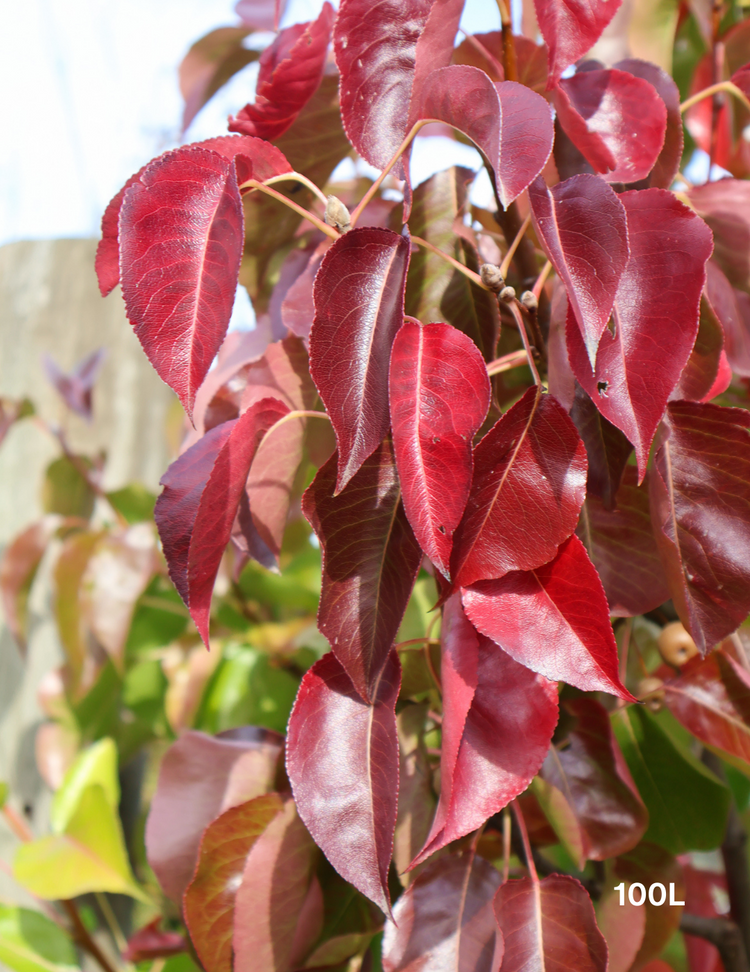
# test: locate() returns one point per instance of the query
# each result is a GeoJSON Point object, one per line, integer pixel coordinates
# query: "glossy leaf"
{"type": "Point", "coordinates": [444, 920]}
{"type": "Point", "coordinates": [615, 119]}
{"type": "Point", "coordinates": [607, 808]}
{"type": "Point", "coordinates": [359, 307]}
{"type": "Point", "coordinates": [31, 942]}
{"type": "Point", "coordinates": [655, 318]}
{"type": "Point", "coordinates": [725, 206]}
{"type": "Point", "coordinates": [699, 490]}
{"type": "Point", "coordinates": [554, 620]}
{"type": "Point", "coordinates": [209, 899]}
{"type": "Point", "coordinates": [528, 488]}
{"type": "Point", "coordinates": [492, 752]}
{"type": "Point", "coordinates": [508, 122]}
{"type": "Point", "coordinates": [342, 761]}
{"type": "Point", "coordinates": [200, 778]}
{"type": "Point", "coordinates": [439, 395]}
{"type": "Point", "coordinates": [548, 925]}
{"type": "Point", "coordinates": [582, 225]}
{"type": "Point", "coordinates": [570, 28]}
{"type": "Point", "coordinates": [366, 585]}
{"type": "Point", "coordinates": [270, 898]}
{"type": "Point", "coordinates": [621, 545]}
{"type": "Point", "coordinates": [18, 567]}
{"type": "Point", "coordinates": [291, 69]}
{"type": "Point", "coordinates": [607, 449]}
{"type": "Point", "coordinates": [209, 64]}
{"type": "Point", "coordinates": [727, 304]}
{"type": "Point", "coordinates": [663, 775]}
{"type": "Point", "coordinates": [698, 381]}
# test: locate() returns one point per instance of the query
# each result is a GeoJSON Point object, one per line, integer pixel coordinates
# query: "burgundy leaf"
{"type": "Point", "coordinates": [439, 396]}
{"type": "Point", "coordinates": [550, 925]}
{"type": "Point", "coordinates": [150, 943]}
{"type": "Point", "coordinates": [698, 381]}
{"type": "Point", "coordinates": [200, 778]}
{"type": "Point", "coordinates": [699, 503]}
{"type": "Point", "coordinates": [367, 584]}
{"type": "Point", "coordinates": [291, 69]}
{"type": "Point", "coordinates": [621, 545]}
{"type": "Point", "coordinates": [202, 491]}
{"type": "Point", "coordinates": [508, 122]}
{"type": "Point", "coordinates": [583, 227]}
{"type": "Point", "coordinates": [655, 318]}
{"type": "Point", "coordinates": [615, 119]}
{"type": "Point", "coordinates": [554, 620]}
{"type": "Point", "coordinates": [107, 262]}
{"type": "Point", "coordinates": [570, 28]}
{"type": "Point", "coordinates": [342, 761]}
{"type": "Point", "coordinates": [501, 745]}
{"type": "Point", "coordinates": [711, 698]}
{"type": "Point", "coordinates": [209, 64]}
{"type": "Point", "coordinates": [444, 920]}
{"type": "Point", "coordinates": [270, 898]}
{"type": "Point", "coordinates": [725, 302]}
{"type": "Point", "coordinates": [209, 901]}
{"type": "Point", "coordinates": [609, 812]}
{"type": "Point", "coordinates": [359, 307]}
{"type": "Point", "coordinates": [253, 158]}
{"type": "Point", "coordinates": [528, 488]}
{"type": "Point", "coordinates": [725, 206]}
{"type": "Point", "coordinates": [297, 309]}
{"type": "Point", "coordinates": [607, 449]}
{"type": "Point", "coordinates": [75, 388]}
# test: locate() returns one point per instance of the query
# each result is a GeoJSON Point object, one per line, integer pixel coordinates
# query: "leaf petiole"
{"type": "Point", "coordinates": [302, 179]}
{"type": "Point", "coordinates": [526, 844]}
{"type": "Point", "coordinates": [310, 217]}
{"type": "Point", "coordinates": [727, 86]}
{"type": "Point", "coordinates": [379, 181]}
{"type": "Point", "coordinates": [508, 259]}
{"type": "Point", "coordinates": [474, 277]}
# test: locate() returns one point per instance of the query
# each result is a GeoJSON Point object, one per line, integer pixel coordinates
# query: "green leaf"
{"type": "Point", "coordinates": [96, 765]}
{"type": "Point", "coordinates": [89, 856]}
{"type": "Point", "coordinates": [97, 713]}
{"type": "Point", "coordinates": [134, 502]}
{"type": "Point", "coordinates": [687, 805]}
{"type": "Point", "coordinates": [143, 691]}
{"type": "Point", "coordinates": [65, 489]}
{"type": "Point", "coordinates": [4, 788]}
{"type": "Point", "coordinates": [160, 618]}
{"type": "Point", "coordinates": [30, 942]}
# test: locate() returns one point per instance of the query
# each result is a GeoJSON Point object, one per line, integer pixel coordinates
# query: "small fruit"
{"type": "Point", "coordinates": [653, 688]}
{"type": "Point", "coordinates": [676, 645]}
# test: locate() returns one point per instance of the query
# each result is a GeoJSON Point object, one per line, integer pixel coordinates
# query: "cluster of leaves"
{"type": "Point", "coordinates": [502, 490]}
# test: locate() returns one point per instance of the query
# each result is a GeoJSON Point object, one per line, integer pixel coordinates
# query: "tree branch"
{"type": "Point", "coordinates": [724, 934]}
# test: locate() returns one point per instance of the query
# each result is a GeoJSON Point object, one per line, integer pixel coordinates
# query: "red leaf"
{"type": "Point", "coordinates": [444, 919]}
{"type": "Point", "coordinates": [549, 925]}
{"type": "Point", "coordinates": [202, 491]}
{"type": "Point", "coordinates": [725, 206]}
{"type": "Point", "coordinates": [439, 396]}
{"type": "Point", "coordinates": [570, 28]}
{"type": "Point", "coordinates": [200, 778]}
{"type": "Point", "coordinates": [554, 620]}
{"type": "Point", "coordinates": [528, 489]}
{"type": "Point", "coordinates": [291, 70]}
{"type": "Point", "coordinates": [702, 375]}
{"type": "Point", "coordinates": [367, 584]}
{"type": "Point", "coordinates": [607, 449]}
{"type": "Point", "coordinates": [209, 64]}
{"type": "Point", "coordinates": [342, 761]}
{"type": "Point", "coordinates": [75, 388]}
{"type": "Point", "coordinates": [500, 746]}
{"type": "Point", "coordinates": [272, 894]}
{"type": "Point", "coordinates": [699, 502]}
{"type": "Point", "coordinates": [615, 119]}
{"type": "Point", "coordinates": [150, 943]}
{"type": "Point", "coordinates": [711, 698]}
{"type": "Point", "coordinates": [621, 545]}
{"type": "Point", "coordinates": [209, 901]}
{"type": "Point", "coordinates": [18, 567]}
{"type": "Point", "coordinates": [583, 227]}
{"type": "Point", "coordinates": [508, 122]}
{"type": "Point", "coordinates": [703, 890]}
{"type": "Point", "coordinates": [107, 262]}
{"type": "Point", "coordinates": [655, 318]}
{"type": "Point", "coordinates": [359, 307]}
{"type": "Point", "coordinates": [606, 805]}
{"type": "Point", "coordinates": [725, 303]}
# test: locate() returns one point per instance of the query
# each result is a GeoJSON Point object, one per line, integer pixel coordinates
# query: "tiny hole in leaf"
{"type": "Point", "coordinates": [442, 529]}
{"type": "Point", "coordinates": [611, 327]}
{"type": "Point", "coordinates": [601, 387]}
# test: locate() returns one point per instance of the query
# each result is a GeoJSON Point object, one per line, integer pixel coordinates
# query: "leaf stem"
{"type": "Point", "coordinates": [507, 827]}
{"type": "Point", "coordinates": [526, 843]}
{"type": "Point", "coordinates": [505, 265]}
{"type": "Point", "coordinates": [541, 279]}
{"type": "Point", "coordinates": [513, 360]}
{"type": "Point", "coordinates": [305, 213]}
{"type": "Point", "coordinates": [84, 939]}
{"type": "Point", "coordinates": [713, 89]}
{"type": "Point", "coordinates": [298, 177]}
{"type": "Point", "coordinates": [525, 338]}
{"type": "Point", "coordinates": [740, 649]}
{"type": "Point", "coordinates": [357, 211]}
{"type": "Point", "coordinates": [474, 277]}
{"type": "Point", "coordinates": [111, 919]}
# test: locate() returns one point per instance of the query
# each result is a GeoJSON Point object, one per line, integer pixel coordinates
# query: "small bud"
{"type": "Point", "coordinates": [529, 301]}
{"type": "Point", "coordinates": [337, 215]}
{"type": "Point", "coordinates": [507, 294]}
{"type": "Point", "coordinates": [491, 277]}
{"type": "Point", "coordinates": [654, 689]}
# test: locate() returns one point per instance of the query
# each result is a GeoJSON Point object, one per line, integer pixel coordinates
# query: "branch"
{"type": "Point", "coordinates": [724, 934]}
{"type": "Point", "coordinates": [84, 939]}
{"type": "Point", "coordinates": [727, 86]}
{"type": "Point", "coordinates": [252, 184]}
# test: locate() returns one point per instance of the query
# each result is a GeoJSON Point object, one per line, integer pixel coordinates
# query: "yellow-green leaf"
{"type": "Point", "coordinates": [95, 765]}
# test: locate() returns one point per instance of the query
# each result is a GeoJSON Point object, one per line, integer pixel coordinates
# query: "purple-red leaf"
{"type": "Point", "coordinates": [583, 227]}
{"type": "Point", "coordinates": [202, 492]}
{"type": "Point", "coordinates": [150, 943]}
{"type": "Point", "coordinates": [209, 64]}
{"type": "Point", "coordinates": [107, 262]}
{"type": "Point", "coordinates": [554, 620]}
{"type": "Point", "coordinates": [439, 396]}
{"type": "Point", "coordinates": [621, 545]}
{"type": "Point", "coordinates": [492, 752]}
{"type": "Point", "coordinates": [444, 920]}
{"type": "Point", "coordinates": [359, 308]}
{"type": "Point", "coordinates": [607, 449]}
{"type": "Point", "coordinates": [200, 778]}
{"type": "Point", "coordinates": [726, 303]}
{"type": "Point", "coordinates": [570, 28]}
{"type": "Point", "coordinates": [366, 583]}
{"type": "Point", "coordinates": [550, 925]}
{"type": "Point", "coordinates": [508, 122]}
{"type": "Point", "coordinates": [528, 488]}
{"type": "Point", "coordinates": [342, 761]}
{"type": "Point", "coordinates": [18, 567]}
{"type": "Point", "coordinates": [725, 206]}
{"type": "Point", "coordinates": [655, 318]}
{"type": "Point", "coordinates": [75, 388]}
{"type": "Point", "coordinates": [700, 499]}
{"type": "Point", "coordinates": [698, 381]}
{"type": "Point", "coordinates": [209, 900]}
{"type": "Point", "coordinates": [615, 119]}
{"type": "Point", "coordinates": [290, 71]}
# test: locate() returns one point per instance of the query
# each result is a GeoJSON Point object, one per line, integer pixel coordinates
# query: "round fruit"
{"type": "Point", "coordinates": [654, 689]}
{"type": "Point", "coordinates": [676, 645]}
